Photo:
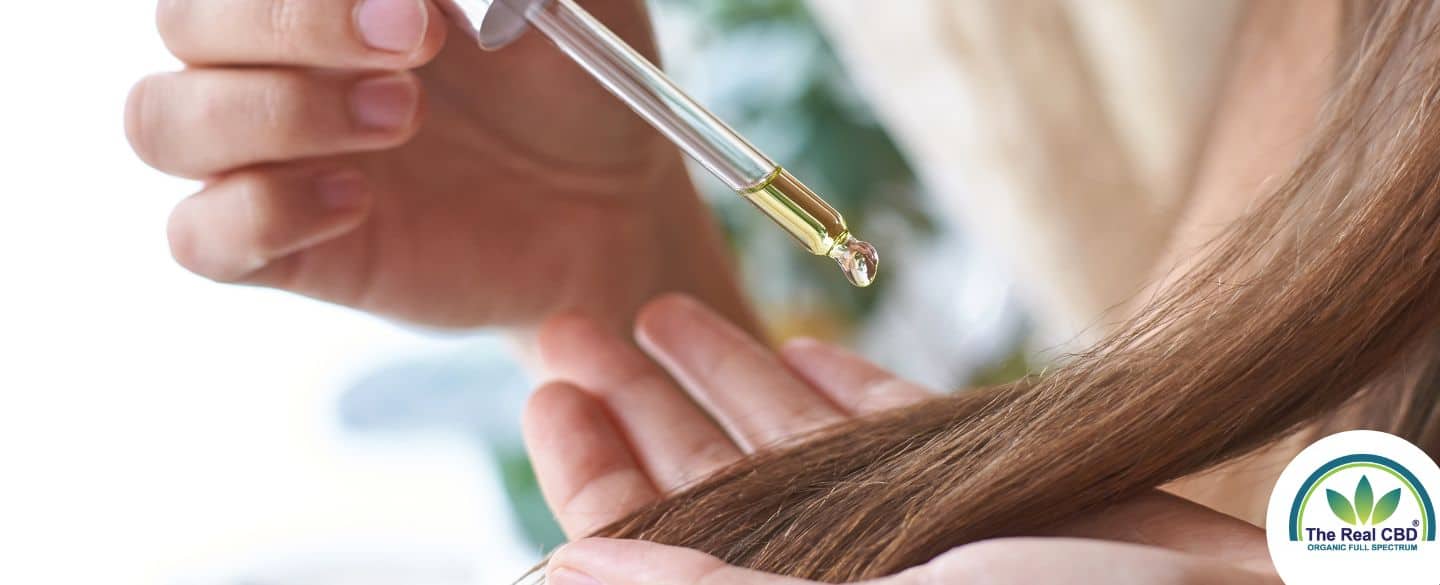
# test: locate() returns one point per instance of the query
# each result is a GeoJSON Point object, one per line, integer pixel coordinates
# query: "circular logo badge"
{"type": "Point", "coordinates": [1356, 507]}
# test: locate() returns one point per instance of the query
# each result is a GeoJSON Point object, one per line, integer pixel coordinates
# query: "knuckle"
{"type": "Point", "coordinates": [286, 24]}
{"type": "Point", "coordinates": [704, 459]}
{"type": "Point", "coordinates": [210, 111]}
{"type": "Point", "coordinates": [230, 252]}
{"type": "Point", "coordinates": [594, 503]}
{"type": "Point", "coordinates": [171, 21]}
{"type": "Point", "coordinates": [253, 187]}
{"type": "Point", "coordinates": [281, 105]}
{"type": "Point", "coordinates": [138, 121]}
{"type": "Point", "coordinates": [185, 245]}
{"type": "Point", "coordinates": [256, 194]}
{"type": "Point", "coordinates": [253, 113]}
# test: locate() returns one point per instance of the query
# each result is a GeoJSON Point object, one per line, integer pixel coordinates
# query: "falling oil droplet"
{"type": "Point", "coordinates": [859, 260]}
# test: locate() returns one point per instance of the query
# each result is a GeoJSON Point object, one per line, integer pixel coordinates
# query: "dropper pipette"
{"type": "Point", "coordinates": [641, 85]}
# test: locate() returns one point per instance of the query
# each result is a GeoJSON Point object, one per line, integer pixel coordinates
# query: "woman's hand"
{"type": "Point", "coordinates": [617, 432]}
{"type": "Point", "coordinates": [624, 428]}
{"type": "Point", "coordinates": [1007, 561]}
{"type": "Point", "coordinates": [350, 153]}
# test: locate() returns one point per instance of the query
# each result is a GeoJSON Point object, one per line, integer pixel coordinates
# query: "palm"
{"type": "Point", "coordinates": [526, 190]}
{"type": "Point", "coordinates": [629, 425]}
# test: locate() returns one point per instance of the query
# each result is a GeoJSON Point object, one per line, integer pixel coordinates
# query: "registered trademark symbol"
{"type": "Point", "coordinates": [1414, 522]}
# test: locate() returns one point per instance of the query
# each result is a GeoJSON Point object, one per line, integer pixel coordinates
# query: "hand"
{"type": "Point", "coordinates": [351, 154]}
{"type": "Point", "coordinates": [1007, 561]}
{"type": "Point", "coordinates": [616, 433]}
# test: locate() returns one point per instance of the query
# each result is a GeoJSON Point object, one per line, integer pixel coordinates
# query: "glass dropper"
{"type": "Point", "coordinates": [700, 134]}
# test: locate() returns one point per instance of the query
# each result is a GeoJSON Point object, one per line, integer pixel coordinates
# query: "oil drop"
{"type": "Point", "coordinates": [858, 259]}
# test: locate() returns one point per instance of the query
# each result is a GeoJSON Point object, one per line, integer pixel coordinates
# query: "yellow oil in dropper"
{"type": "Point", "coordinates": [645, 88]}
{"type": "Point", "coordinates": [815, 225]}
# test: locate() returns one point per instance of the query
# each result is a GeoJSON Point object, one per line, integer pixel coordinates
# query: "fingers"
{"type": "Point", "coordinates": [1171, 522]}
{"type": "Point", "coordinates": [1044, 560]}
{"type": "Point", "coordinates": [1000, 562]}
{"type": "Point", "coordinates": [244, 222]}
{"type": "Point", "coordinates": [739, 381]}
{"type": "Point", "coordinates": [586, 470]}
{"type": "Point", "coordinates": [673, 439]}
{"type": "Point", "coordinates": [601, 561]}
{"type": "Point", "coordinates": [848, 380]}
{"type": "Point", "coordinates": [203, 122]}
{"type": "Point", "coordinates": [358, 34]}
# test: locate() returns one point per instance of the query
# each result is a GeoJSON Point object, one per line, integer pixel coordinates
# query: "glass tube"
{"type": "Point", "coordinates": [641, 85]}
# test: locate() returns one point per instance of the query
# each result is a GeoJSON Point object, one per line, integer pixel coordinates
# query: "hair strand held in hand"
{"type": "Point", "coordinates": [1320, 294]}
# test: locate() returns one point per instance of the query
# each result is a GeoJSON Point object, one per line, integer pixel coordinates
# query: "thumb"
{"type": "Point", "coordinates": [603, 561]}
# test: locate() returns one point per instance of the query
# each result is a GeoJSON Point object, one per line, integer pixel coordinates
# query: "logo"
{"type": "Point", "coordinates": [1353, 506]}
{"type": "Point", "coordinates": [1362, 509]}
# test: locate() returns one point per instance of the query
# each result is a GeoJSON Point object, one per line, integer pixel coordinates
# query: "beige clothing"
{"type": "Point", "coordinates": [1066, 134]}
{"type": "Point", "coordinates": [1062, 133]}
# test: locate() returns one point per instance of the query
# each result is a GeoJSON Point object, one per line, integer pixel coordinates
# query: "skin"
{"type": "Point", "coordinates": [359, 151]}
{"type": "Point", "coordinates": [714, 394]}
{"type": "Point", "coordinates": [1283, 69]}
{"type": "Point", "coordinates": [1281, 75]}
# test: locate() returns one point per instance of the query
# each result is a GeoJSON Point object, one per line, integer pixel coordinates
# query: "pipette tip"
{"type": "Point", "coordinates": [858, 259]}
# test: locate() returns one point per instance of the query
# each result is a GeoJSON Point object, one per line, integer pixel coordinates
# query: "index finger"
{"type": "Point", "coordinates": [1171, 522]}
{"type": "Point", "coordinates": [588, 474]}
{"type": "Point", "coordinates": [356, 34]}
{"type": "Point", "coordinates": [739, 381]}
{"type": "Point", "coordinates": [634, 562]}
{"type": "Point", "coordinates": [855, 384]}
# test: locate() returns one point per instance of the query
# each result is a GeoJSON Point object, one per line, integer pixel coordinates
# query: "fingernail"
{"type": "Point", "coordinates": [568, 576]}
{"type": "Point", "coordinates": [342, 190]}
{"type": "Point", "coordinates": [385, 103]}
{"type": "Point", "coordinates": [392, 25]}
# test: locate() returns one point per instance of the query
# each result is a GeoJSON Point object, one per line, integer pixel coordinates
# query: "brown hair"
{"type": "Point", "coordinates": [1328, 290]}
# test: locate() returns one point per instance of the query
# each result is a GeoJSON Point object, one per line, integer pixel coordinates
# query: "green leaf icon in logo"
{"type": "Point", "coordinates": [1364, 500]}
{"type": "Point", "coordinates": [1341, 507]}
{"type": "Point", "coordinates": [1386, 506]}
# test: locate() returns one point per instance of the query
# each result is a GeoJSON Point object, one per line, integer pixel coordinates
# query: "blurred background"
{"type": "Point", "coordinates": [159, 428]}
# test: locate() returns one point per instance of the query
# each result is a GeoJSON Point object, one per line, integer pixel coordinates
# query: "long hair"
{"type": "Point", "coordinates": [1327, 290]}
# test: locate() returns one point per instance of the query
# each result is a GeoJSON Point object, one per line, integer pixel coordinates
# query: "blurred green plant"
{"type": "Point", "coordinates": [778, 82]}
{"type": "Point", "coordinates": [522, 490]}
{"type": "Point", "coordinates": [1013, 367]}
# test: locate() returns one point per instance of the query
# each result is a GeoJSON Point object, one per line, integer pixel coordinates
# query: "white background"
{"type": "Point", "coordinates": [155, 427]}
{"type": "Point", "coordinates": [1298, 566]}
